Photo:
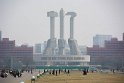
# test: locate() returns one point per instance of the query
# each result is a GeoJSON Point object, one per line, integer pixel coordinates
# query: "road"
{"type": "Point", "coordinates": [25, 76]}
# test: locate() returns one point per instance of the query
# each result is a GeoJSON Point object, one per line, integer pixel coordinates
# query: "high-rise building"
{"type": "Point", "coordinates": [111, 55]}
{"type": "Point", "coordinates": [37, 48]}
{"type": "Point", "coordinates": [100, 40]}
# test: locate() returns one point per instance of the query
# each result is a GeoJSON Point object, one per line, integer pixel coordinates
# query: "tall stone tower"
{"type": "Point", "coordinates": [51, 43]}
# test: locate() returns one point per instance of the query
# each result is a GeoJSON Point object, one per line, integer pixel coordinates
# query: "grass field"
{"type": "Point", "coordinates": [77, 77]}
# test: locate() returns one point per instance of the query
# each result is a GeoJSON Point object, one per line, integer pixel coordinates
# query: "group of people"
{"type": "Point", "coordinates": [3, 73]}
{"type": "Point", "coordinates": [57, 71]}
{"type": "Point", "coordinates": [54, 72]}
{"type": "Point", "coordinates": [15, 73]}
{"type": "Point", "coordinates": [18, 73]}
{"type": "Point", "coordinates": [65, 71]}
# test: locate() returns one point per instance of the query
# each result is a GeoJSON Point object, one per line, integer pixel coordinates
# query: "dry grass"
{"type": "Point", "coordinates": [77, 77]}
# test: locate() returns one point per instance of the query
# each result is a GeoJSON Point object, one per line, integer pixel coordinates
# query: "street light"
{"type": "Point", "coordinates": [21, 82]}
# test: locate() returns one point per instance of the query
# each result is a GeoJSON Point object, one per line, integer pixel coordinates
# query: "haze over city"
{"type": "Point", "coordinates": [26, 21]}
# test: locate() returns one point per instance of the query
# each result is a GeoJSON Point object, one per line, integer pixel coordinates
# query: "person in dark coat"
{"type": "Point", "coordinates": [68, 72]}
{"type": "Point", "coordinates": [56, 72]}
{"type": "Point", "coordinates": [59, 71]}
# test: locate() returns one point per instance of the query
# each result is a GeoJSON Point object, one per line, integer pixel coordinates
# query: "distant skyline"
{"type": "Point", "coordinates": [26, 21]}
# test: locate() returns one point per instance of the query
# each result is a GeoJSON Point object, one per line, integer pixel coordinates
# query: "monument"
{"type": "Point", "coordinates": [51, 43]}
{"type": "Point", "coordinates": [52, 58]}
{"type": "Point", "coordinates": [74, 50]}
{"type": "Point", "coordinates": [61, 41]}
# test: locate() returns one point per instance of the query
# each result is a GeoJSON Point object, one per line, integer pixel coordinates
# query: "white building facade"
{"type": "Point", "coordinates": [53, 60]}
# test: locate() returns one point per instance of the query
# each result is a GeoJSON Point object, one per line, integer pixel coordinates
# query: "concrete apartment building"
{"type": "Point", "coordinates": [111, 55]}
{"type": "Point", "coordinates": [11, 55]}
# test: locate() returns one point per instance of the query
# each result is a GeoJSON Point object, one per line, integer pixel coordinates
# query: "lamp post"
{"type": "Point", "coordinates": [33, 79]}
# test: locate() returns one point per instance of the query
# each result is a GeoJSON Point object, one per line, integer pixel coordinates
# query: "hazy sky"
{"type": "Point", "coordinates": [26, 21]}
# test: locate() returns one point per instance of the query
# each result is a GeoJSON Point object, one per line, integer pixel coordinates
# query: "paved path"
{"type": "Point", "coordinates": [11, 79]}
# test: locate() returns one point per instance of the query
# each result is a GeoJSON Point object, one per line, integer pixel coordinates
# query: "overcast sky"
{"type": "Point", "coordinates": [26, 21]}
